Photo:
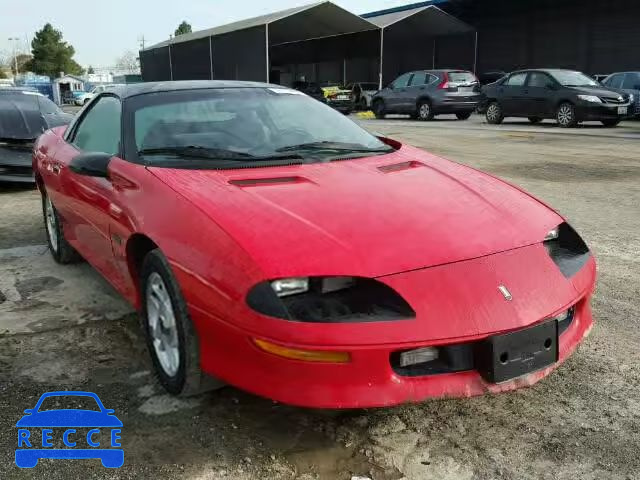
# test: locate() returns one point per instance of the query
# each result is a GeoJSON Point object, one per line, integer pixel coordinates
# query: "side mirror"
{"type": "Point", "coordinates": [91, 164]}
{"type": "Point", "coordinates": [552, 86]}
{"type": "Point", "coordinates": [109, 411]}
{"type": "Point", "coordinates": [29, 411]}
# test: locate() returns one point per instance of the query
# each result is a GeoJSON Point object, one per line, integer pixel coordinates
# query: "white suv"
{"type": "Point", "coordinates": [85, 97]}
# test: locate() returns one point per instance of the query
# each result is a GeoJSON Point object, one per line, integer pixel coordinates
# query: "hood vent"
{"type": "Point", "coordinates": [259, 182]}
{"type": "Point", "coordinates": [399, 167]}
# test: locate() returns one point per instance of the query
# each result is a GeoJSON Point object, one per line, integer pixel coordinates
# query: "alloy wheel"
{"type": "Point", "coordinates": [52, 224]}
{"type": "Point", "coordinates": [425, 111]}
{"type": "Point", "coordinates": [163, 329]}
{"type": "Point", "coordinates": [565, 115]}
{"type": "Point", "coordinates": [493, 112]}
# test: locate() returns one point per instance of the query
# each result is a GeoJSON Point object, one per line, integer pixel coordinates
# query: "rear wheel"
{"type": "Point", "coordinates": [611, 123]}
{"type": "Point", "coordinates": [535, 119]}
{"type": "Point", "coordinates": [86, 100]}
{"type": "Point", "coordinates": [566, 115]}
{"type": "Point", "coordinates": [463, 115]}
{"type": "Point", "coordinates": [379, 109]}
{"type": "Point", "coordinates": [61, 251]}
{"type": "Point", "coordinates": [425, 110]}
{"type": "Point", "coordinates": [494, 114]}
{"type": "Point", "coordinates": [171, 337]}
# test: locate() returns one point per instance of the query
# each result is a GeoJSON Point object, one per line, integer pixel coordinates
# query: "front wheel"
{"type": "Point", "coordinates": [611, 123]}
{"type": "Point", "coordinates": [463, 115]}
{"type": "Point", "coordinates": [566, 115]}
{"type": "Point", "coordinates": [170, 334]}
{"type": "Point", "coordinates": [494, 114]}
{"type": "Point", "coordinates": [425, 110]}
{"type": "Point", "coordinates": [61, 251]}
{"type": "Point", "coordinates": [378, 109]}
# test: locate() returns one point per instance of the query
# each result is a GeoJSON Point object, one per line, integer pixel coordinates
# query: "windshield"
{"type": "Point", "coordinates": [234, 127]}
{"type": "Point", "coordinates": [573, 79]}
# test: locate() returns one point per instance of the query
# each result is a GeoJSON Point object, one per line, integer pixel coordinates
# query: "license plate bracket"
{"type": "Point", "coordinates": [622, 110]}
{"type": "Point", "coordinates": [501, 358]}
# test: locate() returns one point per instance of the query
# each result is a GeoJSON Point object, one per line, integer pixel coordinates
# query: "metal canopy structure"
{"type": "Point", "coordinates": [319, 32]}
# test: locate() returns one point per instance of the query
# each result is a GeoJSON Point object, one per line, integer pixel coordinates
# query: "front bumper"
{"type": "Point", "coordinates": [587, 111]}
{"type": "Point", "coordinates": [15, 165]}
{"type": "Point", "coordinates": [369, 380]}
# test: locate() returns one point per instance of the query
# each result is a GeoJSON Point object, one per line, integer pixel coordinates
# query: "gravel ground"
{"type": "Point", "coordinates": [64, 327]}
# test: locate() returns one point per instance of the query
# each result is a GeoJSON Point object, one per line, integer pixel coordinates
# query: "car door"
{"type": "Point", "coordinates": [396, 100]}
{"type": "Point", "coordinates": [512, 94]}
{"type": "Point", "coordinates": [88, 199]}
{"type": "Point", "coordinates": [417, 88]}
{"type": "Point", "coordinates": [538, 95]}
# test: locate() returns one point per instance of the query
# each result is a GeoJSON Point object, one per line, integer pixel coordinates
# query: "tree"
{"type": "Point", "coordinates": [183, 28]}
{"type": "Point", "coordinates": [52, 55]}
{"type": "Point", "coordinates": [90, 70]}
{"type": "Point", "coordinates": [128, 63]}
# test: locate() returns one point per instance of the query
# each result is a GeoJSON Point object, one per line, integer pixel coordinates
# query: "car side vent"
{"type": "Point", "coordinates": [257, 182]}
{"type": "Point", "coordinates": [399, 167]}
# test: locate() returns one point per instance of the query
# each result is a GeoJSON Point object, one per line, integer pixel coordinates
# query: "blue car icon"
{"type": "Point", "coordinates": [42, 421]}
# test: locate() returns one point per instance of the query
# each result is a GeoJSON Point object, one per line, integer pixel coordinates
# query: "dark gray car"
{"type": "Point", "coordinates": [24, 115]}
{"type": "Point", "coordinates": [629, 82]}
{"type": "Point", "coordinates": [426, 93]}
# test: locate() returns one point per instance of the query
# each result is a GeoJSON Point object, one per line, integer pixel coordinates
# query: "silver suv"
{"type": "Point", "coordinates": [427, 93]}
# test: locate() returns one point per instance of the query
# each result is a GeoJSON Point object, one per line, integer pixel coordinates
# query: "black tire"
{"type": "Point", "coordinates": [379, 109]}
{"type": "Point", "coordinates": [86, 100]}
{"type": "Point", "coordinates": [463, 115]}
{"type": "Point", "coordinates": [566, 115]}
{"type": "Point", "coordinates": [611, 123]}
{"type": "Point", "coordinates": [61, 251]}
{"type": "Point", "coordinates": [424, 111]}
{"type": "Point", "coordinates": [535, 120]}
{"type": "Point", "coordinates": [494, 113]}
{"type": "Point", "coordinates": [188, 379]}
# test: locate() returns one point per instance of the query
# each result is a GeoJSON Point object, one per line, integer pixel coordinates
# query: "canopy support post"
{"type": "Point", "coordinates": [381, 57]}
{"type": "Point", "coordinates": [266, 47]}
{"type": "Point", "coordinates": [475, 55]}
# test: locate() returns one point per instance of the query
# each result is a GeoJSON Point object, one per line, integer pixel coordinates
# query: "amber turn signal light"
{"type": "Point", "coordinates": [327, 356]}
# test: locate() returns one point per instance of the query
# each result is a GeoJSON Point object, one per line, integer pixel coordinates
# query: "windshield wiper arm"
{"type": "Point", "coordinates": [212, 153]}
{"type": "Point", "coordinates": [336, 146]}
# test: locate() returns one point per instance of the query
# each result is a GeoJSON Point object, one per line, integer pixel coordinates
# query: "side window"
{"type": "Point", "coordinates": [99, 129]}
{"type": "Point", "coordinates": [402, 81]}
{"type": "Point", "coordinates": [614, 81]}
{"type": "Point", "coordinates": [631, 81]}
{"type": "Point", "coordinates": [537, 79]}
{"type": "Point", "coordinates": [419, 78]}
{"type": "Point", "coordinates": [516, 80]}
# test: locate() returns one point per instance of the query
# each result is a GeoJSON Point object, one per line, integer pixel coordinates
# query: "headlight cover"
{"type": "Point", "coordinates": [590, 98]}
{"type": "Point", "coordinates": [567, 250]}
{"type": "Point", "coordinates": [329, 300]}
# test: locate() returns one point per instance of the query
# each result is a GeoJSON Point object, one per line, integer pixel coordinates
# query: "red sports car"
{"type": "Point", "coordinates": [272, 244]}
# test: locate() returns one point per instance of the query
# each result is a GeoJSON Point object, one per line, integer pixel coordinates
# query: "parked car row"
{"type": "Point", "coordinates": [568, 96]}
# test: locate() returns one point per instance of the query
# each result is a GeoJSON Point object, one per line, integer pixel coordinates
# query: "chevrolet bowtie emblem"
{"type": "Point", "coordinates": [505, 292]}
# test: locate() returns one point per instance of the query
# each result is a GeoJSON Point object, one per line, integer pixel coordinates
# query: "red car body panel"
{"type": "Point", "coordinates": [442, 235]}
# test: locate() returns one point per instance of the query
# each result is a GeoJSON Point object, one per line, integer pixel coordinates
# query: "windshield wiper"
{"type": "Point", "coordinates": [199, 152]}
{"type": "Point", "coordinates": [334, 146]}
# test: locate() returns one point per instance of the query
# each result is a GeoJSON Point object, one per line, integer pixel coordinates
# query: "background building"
{"type": "Point", "coordinates": [324, 43]}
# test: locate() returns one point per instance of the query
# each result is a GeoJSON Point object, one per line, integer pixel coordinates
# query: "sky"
{"type": "Point", "coordinates": [102, 31]}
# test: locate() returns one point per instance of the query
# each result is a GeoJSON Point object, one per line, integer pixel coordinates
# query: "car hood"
{"type": "Point", "coordinates": [69, 418]}
{"type": "Point", "coordinates": [367, 217]}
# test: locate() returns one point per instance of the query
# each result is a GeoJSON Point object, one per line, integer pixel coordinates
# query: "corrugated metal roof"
{"type": "Point", "coordinates": [427, 18]}
{"type": "Point", "coordinates": [402, 8]}
{"type": "Point", "coordinates": [356, 23]}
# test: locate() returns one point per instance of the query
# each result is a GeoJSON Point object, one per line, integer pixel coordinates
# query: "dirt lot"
{"type": "Point", "coordinates": [64, 328]}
